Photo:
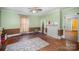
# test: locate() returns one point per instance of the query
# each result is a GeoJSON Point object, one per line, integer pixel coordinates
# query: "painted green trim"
{"type": "Point", "coordinates": [60, 18]}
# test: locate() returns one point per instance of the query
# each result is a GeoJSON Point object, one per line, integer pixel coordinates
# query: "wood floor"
{"type": "Point", "coordinates": [54, 44]}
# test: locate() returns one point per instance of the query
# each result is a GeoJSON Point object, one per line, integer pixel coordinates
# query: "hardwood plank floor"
{"type": "Point", "coordinates": [54, 44]}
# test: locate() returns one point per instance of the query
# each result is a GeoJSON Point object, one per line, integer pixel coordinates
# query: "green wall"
{"type": "Point", "coordinates": [69, 11]}
{"type": "Point", "coordinates": [54, 15]}
{"type": "Point", "coordinates": [34, 21]}
{"type": "Point", "coordinates": [10, 19]}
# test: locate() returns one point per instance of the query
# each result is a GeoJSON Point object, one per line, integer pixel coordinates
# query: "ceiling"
{"type": "Point", "coordinates": [26, 10]}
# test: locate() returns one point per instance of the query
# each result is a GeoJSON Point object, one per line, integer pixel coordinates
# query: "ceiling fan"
{"type": "Point", "coordinates": [35, 9]}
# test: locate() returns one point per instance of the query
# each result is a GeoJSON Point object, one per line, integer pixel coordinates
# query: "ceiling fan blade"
{"type": "Point", "coordinates": [29, 8]}
{"type": "Point", "coordinates": [39, 9]}
{"type": "Point", "coordinates": [34, 8]}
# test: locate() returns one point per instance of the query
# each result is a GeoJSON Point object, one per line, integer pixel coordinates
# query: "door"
{"type": "Point", "coordinates": [71, 31]}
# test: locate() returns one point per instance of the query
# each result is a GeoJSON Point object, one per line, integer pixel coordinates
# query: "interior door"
{"type": "Point", "coordinates": [71, 31]}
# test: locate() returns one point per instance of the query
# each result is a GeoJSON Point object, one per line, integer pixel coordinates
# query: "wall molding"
{"type": "Point", "coordinates": [17, 30]}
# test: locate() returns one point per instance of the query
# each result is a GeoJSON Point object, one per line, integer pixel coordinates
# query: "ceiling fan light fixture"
{"type": "Point", "coordinates": [34, 11]}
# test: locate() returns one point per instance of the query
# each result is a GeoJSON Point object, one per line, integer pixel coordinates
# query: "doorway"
{"type": "Point", "coordinates": [71, 31]}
